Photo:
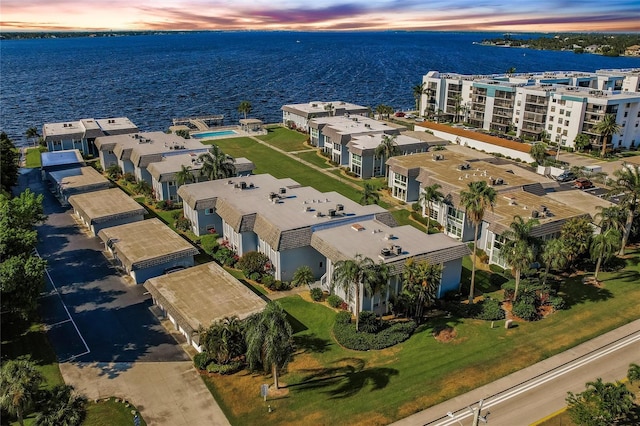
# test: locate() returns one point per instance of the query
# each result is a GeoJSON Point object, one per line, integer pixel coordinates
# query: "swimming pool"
{"type": "Point", "coordinates": [214, 134]}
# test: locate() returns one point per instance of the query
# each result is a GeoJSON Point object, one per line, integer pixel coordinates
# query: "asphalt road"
{"type": "Point", "coordinates": [528, 395]}
{"type": "Point", "coordinates": [92, 313]}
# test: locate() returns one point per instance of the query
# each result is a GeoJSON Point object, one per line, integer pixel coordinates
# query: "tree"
{"type": "Point", "coordinates": [633, 374]}
{"type": "Point", "coordinates": [553, 256]}
{"type": "Point", "coordinates": [626, 186]}
{"type": "Point", "coordinates": [457, 99]}
{"type": "Point", "coordinates": [62, 407]}
{"type": "Point", "coordinates": [430, 194]}
{"type": "Point", "coordinates": [19, 383]}
{"type": "Point", "coordinates": [114, 171]}
{"type": "Point", "coordinates": [269, 340]}
{"type": "Point", "coordinates": [576, 237]}
{"type": "Point", "coordinates": [538, 152]}
{"type": "Point", "coordinates": [330, 108]}
{"type": "Point", "coordinates": [519, 249]}
{"type": "Point", "coordinates": [511, 71]}
{"type": "Point", "coordinates": [603, 245]}
{"type": "Point", "coordinates": [418, 91]}
{"type": "Point", "coordinates": [21, 282]}
{"type": "Point", "coordinates": [581, 142]}
{"type": "Point", "coordinates": [606, 128]}
{"type": "Point", "coordinates": [245, 108]}
{"type": "Point", "coordinates": [224, 340]}
{"type": "Point", "coordinates": [9, 167]}
{"type": "Point", "coordinates": [18, 218]}
{"type": "Point", "coordinates": [184, 176]}
{"type": "Point", "coordinates": [216, 164]}
{"type": "Point", "coordinates": [600, 404]}
{"type": "Point", "coordinates": [253, 261]}
{"type": "Point", "coordinates": [183, 133]}
{"type": "Point", "coordinates": [612, 217]}
{"type": "Point", "coordinates": [476, 199]}
{"type": "Point", "coordinates": [142, 187]}
{"type": "Point", "coordinates": [369, 195]}
{"type": "Point", "coordinates": [356, 273]}
{"type": "Point", "coordinates": [420, 282]}
{"type": "Point", "coordinates": [303, 276]}
{"type": "Point", "coordinates": [32, 133]}
{"type": "Point", "coordinates": [388, 148]}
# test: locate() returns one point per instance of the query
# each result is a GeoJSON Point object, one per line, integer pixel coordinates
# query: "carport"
{"type": "Point", "coordinates": [147, 249]}
{"type": "Point", "coordinates": [76, 181]}
{"type": "Point", "coordinates": [106, 208]}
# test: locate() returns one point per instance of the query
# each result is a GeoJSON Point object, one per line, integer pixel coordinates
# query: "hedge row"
{"type": "Point", "coordinates": [389, 335]}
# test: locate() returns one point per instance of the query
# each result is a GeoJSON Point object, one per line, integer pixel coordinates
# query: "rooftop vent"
{"type": "Point", "coordinates": [357, 227]}
{"type": "Point", "coordinates": [243, 185]}
{"type": "Point", "coordinates": [332, 212]}
{"type": "Point", "coordinates": [283, 190]}
{"type": "Point", "coordinates": [273, 196]}
{"type": "Point", "coordinates": [438, 157]}
{"type": "Point", "coordinates": [465, 166]}
{"type": "Point", "coordinates": [389, 237]}
{"type": "Point", "coordinates": [339, 207]}
{"type": "Point", "coordinates": [319, 214]}
{"type": "Point", "coordinates": [535, 214]}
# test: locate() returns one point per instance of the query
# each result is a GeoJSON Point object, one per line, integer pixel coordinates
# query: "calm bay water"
{"type": "Point", "coordinates": [152, 79]}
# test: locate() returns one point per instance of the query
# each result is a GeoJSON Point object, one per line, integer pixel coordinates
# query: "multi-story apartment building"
{"type": "Point", "coordinates": [554, 106]}
{"type": "Point", "coordinates": [297, 116]}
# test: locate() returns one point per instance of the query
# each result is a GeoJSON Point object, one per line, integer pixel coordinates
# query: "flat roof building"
{"type": "Point", "coordinates": [60, 160]}
{"type": "Point", "coordinates": [81, 134]}
{"type": "Point", "coordinates": [66, 183]}
{"type": "Point", "coordinates": [106, 208]}
{"type": "Point", "coordinates": [198, 296]}
{"type": "Point", "coordinates": [147, 248]}
{"type": "Point", "coordinates": [297, 116]}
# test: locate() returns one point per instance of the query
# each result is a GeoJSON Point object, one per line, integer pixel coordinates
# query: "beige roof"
{"type": "Point", "coordinates": [81, 178]}
{"type": "Point", "coordinates": [317, 108]}
{"type": "Point", "coordinates": [522, 203]}
{"type": "Point", "coordinates": [147, 243]}
{"type": "Point", "coordinates": [103, 206]}
{"type": "Point", "coordinates": [580, 200]}
{"type": "Point", "coordinates": [370, 142]}
{"type": "Point", "coordinates": [369, 237]}
{"type": "Point", "coordinates": [200, 295]}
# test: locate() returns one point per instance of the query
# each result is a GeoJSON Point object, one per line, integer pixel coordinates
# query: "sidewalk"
{"type": "Point", "coordinates": [438, 412]}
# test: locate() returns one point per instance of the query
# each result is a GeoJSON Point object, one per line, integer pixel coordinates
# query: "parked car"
{"type": "Point", "coordinates": [565, 177]}
{"type": "Point", "coordinates": [583, 183]}
{"type": "Point", "coordinates": [419, 119]}
{"type": "Point", "coordinates": [409, 116]}
{"type": "Point", "coordinates": [399, 114]}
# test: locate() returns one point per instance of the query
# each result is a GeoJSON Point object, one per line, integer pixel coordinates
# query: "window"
{"type": "Point", "coordinates": [173, 197]}
{"type": "Point", "coordinates": [553, 108]}
{"type": "Point", "coordinates": [559, 120]}
{"type": "Point", "coordinates": [172, 183]}
{"type": "Point", "coordinates": [208, 212]}
{"type": "Point", "coordinates": [455, 219]}
{"type": "Point", "coordinates": [561, 111]}
{"type": "Point", "coordinates": [320, 264]}
{"type": "Point", "coordinates": [564, 133]}
{"type": "Point", "coordinates": [568, 114]}
{"type": "Point", "coordinates": [519, 103]}
{"type": "Point", "coordinates": [626, 113]}
{"type": "Point", "coordinates": [566, 122]}
{"type": "Point", "coordinates": [550, 127]}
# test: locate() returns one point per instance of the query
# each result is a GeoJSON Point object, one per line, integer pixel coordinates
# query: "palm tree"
{"type": "Point", "coordinates": [388, 148]}
{"type": "Point", "coordinates": [606, 128]}
{"type": "Point", "coordinates": [612, 217]}
{"type": "Point", "coordinates": [603, 246]}
{"type": "Point", "coordinates": [475, 201]}
{"type": "Point", "coordinates": [418, 91]}
{"type": "Point", "coordinates": [269, 340]}
{"type": "Point", "coordinates": [369, 195]}
{"type": "Point", "coordinates": [245, 108]}
{"type": "Point", "coordinates": [329, 107]}
{"type": "Point", "coordinates": [420, 281]}
{"type": "Point", "coordinates": [351, 274]}
{"type": "Point", "coordinates": [538, 152]}
{"type": "Point", "coordinates": [216, 164]}
{"type": "Point", "coordinates": [223, 340]}
{"type": "Point", "coordinates": [430, 194]}
{"type": "Point", "coordinates": [457, 106]}
{"type": "Point", "coordinates": [32, 133]}
{"type": "Point", "coordinates": [303, 276]}
{"type": "Point", "coordinates": [19, 383]}
{"type": "Point", "coordinates": [63, 407]}
{"type": "Point", "coordinates": [519, 250]}
{"type": "Point", "coordinates": [626, 185]}
{"type": "Point", "coordinates": [553, 256]}
{"type": "Point", "coordinates": [184, 176]}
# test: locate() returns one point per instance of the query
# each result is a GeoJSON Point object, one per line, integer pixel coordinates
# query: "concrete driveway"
{"type": "Point", "coordinates": [107, 340]}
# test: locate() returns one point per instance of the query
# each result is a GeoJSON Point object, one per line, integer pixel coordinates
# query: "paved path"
{"type": "Point", "coordinates": [539, 390]}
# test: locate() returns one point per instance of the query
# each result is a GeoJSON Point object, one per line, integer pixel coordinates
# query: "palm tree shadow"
{"type": "Point", "coordinates": [378, 378]}
{"type": "Point", "coordinates": [311, 343]}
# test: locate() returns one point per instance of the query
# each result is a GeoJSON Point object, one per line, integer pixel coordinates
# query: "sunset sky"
{"type": "Point", "coordinates": [312, 15]}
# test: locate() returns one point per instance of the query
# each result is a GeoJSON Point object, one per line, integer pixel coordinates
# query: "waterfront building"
{"type": "Point", "coordinates": [297, 116]}
{"type": "Point", "coordinates": [82, 134]}
{"type": "Point", "coordinates": [65, 183]}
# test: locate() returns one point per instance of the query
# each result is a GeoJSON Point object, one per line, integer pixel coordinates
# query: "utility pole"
{"type": "Point", "coordinates": [477, 417]}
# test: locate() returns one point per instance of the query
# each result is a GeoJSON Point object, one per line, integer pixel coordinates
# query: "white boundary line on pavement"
{"type": "Point", "coordinates": [516, 390]}
{"type": "Point", "coordinates": [72, 357]}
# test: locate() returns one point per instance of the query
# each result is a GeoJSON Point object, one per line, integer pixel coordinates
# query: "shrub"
{"type": "Point", "coordinates": [343, 305]}
{"type": "Point", "coordinates": [223, 254]}
{"type": "Point", "coordinates": [268, 280]}
{"type": "Point", "coordinates": [255, 276]}
{"type": "Point", "coordinates": [114, 171]}
{"type": "Point", "coordinates": [253, 261]}
{"type": "Point", "coordinates": [316, 294]}
{"type": "Point", "coordinates": [334, 300]}
{"type": "Point", "coordinates": [557, 303]}
{"type": "Point", "coordinates": [482, 256]}
{"type": "Point", "coordinates": [496, 268]}
{"type": "Point", "coordinates": [129, 177]}
{"type": "Point", "coordinates": [522, 308]}
{"type": "Point", "coordinates": [390, 334]}
{"type": "Point", "coordinates": [281, 285]}
{"type": "Point", "coordinates": [176, 215]}
{"type": "Point", "coordinates": [209, 243]}
{"type": "Point", "coordinates": [369, 322]}
{"type": "Point", "coordinates": [183, 224]}
{"type": "Point", "coordinates": [343, 317]}
{"type": "Point", "coordinates": [201, 361]}
{"type": "Point", "coordinates": [491, 310]}
{"type": "Point", "coordinates": [164, 205]}
{"type": "Point", "coordinates": [416, 207]}
{"type": "Point", "coordinates": [230, 368]}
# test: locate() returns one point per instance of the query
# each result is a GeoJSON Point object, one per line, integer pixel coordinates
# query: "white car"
{"type": "Point", "coordinates": [409, 116]}
{"type": "Point", "coordinates": [419, 119]}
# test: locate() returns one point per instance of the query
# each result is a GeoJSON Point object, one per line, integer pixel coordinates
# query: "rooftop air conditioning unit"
{"type": "Point", "coordinates": [332, 212]}
{"type": "Point", "coordinates": [385, 251]}
{"type": "Point", "coordinates": [273, 196]}
{"type": "Point", "coordinates": [388, 237]}
{"type": "Point", "coordinates": [398, 250]}
{"type": "Point", "coordinates": [283, 190]}
{"type": "Point", "coordinates": [535, 214]}
{"type": "Point", "coordinates": [543, 208]}
{"type": "Point", "coordinates": [339, 207]}
{"type": "Point", "coordinates": [243, 185]}
{"type": "Point", "coordinates": [499, 181]}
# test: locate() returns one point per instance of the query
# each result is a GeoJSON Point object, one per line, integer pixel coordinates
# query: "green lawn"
{"type": "Point", "coordinates": [110, 413]}
{"type": "Point", "coordinates": [313, 158]}
{"type": "Point", "coordinates": [285, 139]}
{"type": "Point", "coordinates": [329, 384]}
{"type": "Point", "coordinates": [403, 217]}
{"type": "Point", "coordinates": [33, 157]}
{"type": "Point", "coordinates": [279, 165]}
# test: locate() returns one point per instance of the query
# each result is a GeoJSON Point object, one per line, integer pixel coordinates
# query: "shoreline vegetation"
{"type": "Point", "coordinates": [600, 44]}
